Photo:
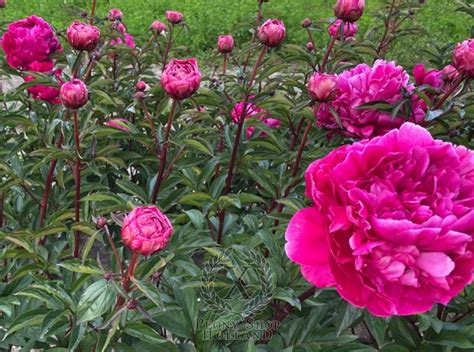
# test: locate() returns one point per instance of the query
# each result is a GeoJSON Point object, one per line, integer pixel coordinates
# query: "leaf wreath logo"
{"type": "Point", "coordinates": [237, 281]}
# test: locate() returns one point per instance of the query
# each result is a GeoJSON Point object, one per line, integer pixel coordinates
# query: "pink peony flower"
{"type": "Point", "coordinates": [349, 10]}
{"type": "Point", "coordinates": [28, 41]}
{"type": "Point", "coordinates": [271, 33]}
{"type": "Point", "coordinates": [349, 29]}
{"type": "Point", "coordinates": [181, 78]}
{"type": "Point", "coordinates": [429, 77]}
{"type": "Point", "coordinates": [115, 15]}
{"type": "Point", "coordinates": [3, 4]}
{"type": "Point", "coordinates": [140, 86]}
{"type": "Point", "coordinates": [158, 26]}
{"type": "Point", "coordinates": [174, 17]}
{"type": "Point", "coordinates": [118, 123]}
{"type": "Point", "coordinates": [49, 94]}
{"type": "Point", "coordinates": [74, 94]}
{"type": "Point", "coordinates": [146, 230]}
{"type": "Point", "coordinates": [449, 73]}
{"type": "Point", "coordinates": [82, 36]}
{"type": "Point", "coordinates": [128, 40]}
{"type": "Point", "coordinates": [463, 57]}
{"type": "Point", "coordinates": [252, 110]}
{"type": "Point", "coordinates": [364, 84]}
{"type": "Point", "coordinates": [392, 225]}
{"type": "Point", "coordinates": [225, 44]}
{"type": "Point", "coordinates": [322, 87]}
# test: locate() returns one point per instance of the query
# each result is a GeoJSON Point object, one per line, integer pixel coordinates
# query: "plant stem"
{"type": "Point", "coordinates": [2, 199]}
{"type": "Point", "coordinates": [254, 35]}
{"type": "Point", "coordinates": [257, 64]}
{"type": "Point", "coordinates": [150, 121]}
{"type": "Point", "coordinates": [126, 279]}
{"type": "Point", "coordinates": [454, 86]}
{"type": "Point", "coordinates": [224, 64]}
{"type": "Point", "coordinates": [114, 249]}
{"type": "Point", "coordinates": [168, 48]}
{"type": "Point", "coordinates": [279, 316]}
{"type": "Point", "coordinates": [327, 53]}
{"type": "Point", "coordinates": [77, 172]}
{"type": "Point", "coordinates": [164, 151]}
{"type": "Point", "coordinates": [91, 20]}
{"type": "Point", "coordinates": [299, 155]}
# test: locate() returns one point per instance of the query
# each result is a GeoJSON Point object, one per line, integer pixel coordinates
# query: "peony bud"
{"type": "Point", "coordinates": [310, 46]}
{"type": "Point", "coordinates": [225, 43]}
{"type": "Point", "coordinates": [306, 23]}
{"type": "Point", "coordinates": [101, 222]}
{"type": "Point", "coordinates": [463, 57]}
{"type": "Point", "coordinates": [74, 94]}
{"type": "Point", "coordinates": [349, 29]}
{"type": "Point", "coordinates": [158, 26]}
{"type": "Point", "coordinates": [174, 17]}
{"type": "Point", "coordinates": [115, 15]}
{"type": "Point", "coordinates": [3, 3]}
{"type": "Point", "coordinates": [118, 123]}
{"type": "Point", "coordinates": [322, 87]}
{"type": "Point", "coordinates": [271, 33]}
{"type": "Point", "coordinates": [349, 10]}
{"type": "Point", "coordinates": [139, 95]}
{"type": "Point", "coordinates": [140, 85]}
{"type": "Point", "coordinates": [181, 78]}
{"type": "Point", "coordinates": [82, 36]}
{"type": "Point", "coordinates": [146, 230]}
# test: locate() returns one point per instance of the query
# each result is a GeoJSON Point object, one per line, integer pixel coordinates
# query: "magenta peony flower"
{"type": "Point", "coordinates": [82, 36]}
{"type": "Point", "coordinates": [49, 94]}
{"type": "Point", "coordinates": [158, 26]}
{"type": "Point", "coordinates": [309, 46]}
{"type": "Point", "coordinates": [364, 84]}
{"type": "Point", "coordinates": [392, 225]}
{"type": "Point", "coordinates": [128, 40]}
{"type": "Point", "coordinates": [349, 10]}
{"type": "Point", "coordinates": [428, 77]}
{"type": "Point", "coordinates": [349, 29]}
{"type": "Point", "coordinates": [322, 87]}
{"type": "Point", "coordinates": [225, 44]}
{"type": "Point", "coordinates": [271, 33]}
{"type": "Point", "coordinates": [118, 123]}
{"type": "Point", "coordinates": [140, 86]}
{"type": "Point", "coordinates": [74, 94]}
{"type": "Point", "coordinates": [115, 15]}
{"type": "Point", "coordinates": [174, 17]}
{"type": "Point", "coordinates": [146, 230]}
{"type": "Point", "coordinates": [181, 78]}
{"type": "Point", "coordinates": [449, 73]}
{"type": "Point", "coordinates": [3, 4]}
{"type": "Point", "coordinates": [28, 41]}
{"type": "Point", "coordinates": [463, 57]}
{"type": "Point", "coordinates": [252, 110]}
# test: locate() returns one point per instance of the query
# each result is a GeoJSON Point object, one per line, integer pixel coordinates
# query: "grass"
{"type": "Point", "coordinates": [208, 18]}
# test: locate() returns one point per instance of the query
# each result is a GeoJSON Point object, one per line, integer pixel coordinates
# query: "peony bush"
{"type": "Point", "coordinates": [275, 197]}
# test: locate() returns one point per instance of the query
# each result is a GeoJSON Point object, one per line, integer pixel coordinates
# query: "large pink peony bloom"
{"type": "Point", "coordinates": [146, 230]}
{"type": "Point", "coordinates": [42, 92]}
{"type": "Point", "coordinates": [28, 41]}
{"type": "Point", "coordinates": [392, 225]}
{"type": "Point", "coordinates": [181, 78]}
{"type": "Point", "coordinates": [252, 110]}
{"type": "Point", "coordinates": [364, 84]}
{"type": "Point", "coordinates": [423, 76]}
{"type": "Point", "coordinates": [272, 32]}
{"type": "Point", "coordinates": [463, 57]}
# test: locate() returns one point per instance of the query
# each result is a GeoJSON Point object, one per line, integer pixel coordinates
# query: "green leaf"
{"type": "Point", "coordinates": [287, 295]}
{"type": "Point", "coordinates": [143, 332]}
{"type": "Point", "coordinates": [95, 301]}
{"type": "Point", "coordinates": [377, 327]}
{"type": "Point", "coordinates": [76, 266]}
{"type": "Point", "coordinates": [347, 314]}
{"type": "Point", "coordinates": [450, 338]}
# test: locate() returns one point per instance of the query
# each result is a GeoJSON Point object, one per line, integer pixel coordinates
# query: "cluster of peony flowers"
{"type": "Point", "coordinates": [125, 38]}
{"type": "Point", "coordinates": [392, 224]}
{"type": "Point", "coordinates": [146, 230]}
{"type": "Point", "coordinates": [384, 81]}
{"type": "Point", "coordinates": [252, 110]}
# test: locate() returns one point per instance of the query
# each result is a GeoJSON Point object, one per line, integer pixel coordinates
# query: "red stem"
{"type": "Point", "coordinates": [168, 48]}
{"type": "Point", "coordinates": [77, 172]}
{"type": "Point", "coordinates": [455, 85]}
{"type": "Point", "coordinates": [91, 20]}
{"type": "Point", "coordinates": [2, 195]}
{"type": "Point", "coordinates": [164, 151]}
{"type": "Point", "coordinates": [114, 249]}
{"type": "Point", "coordinates": [127, 278]}
{"type": "Point", "coordinates": [299, 155]}
{"type": "Point", "coordinates": [326, 54]}
{"type": "Point", "coordinates": [257, 64]}
{"type": "Point", "coordinates": [224, 64]}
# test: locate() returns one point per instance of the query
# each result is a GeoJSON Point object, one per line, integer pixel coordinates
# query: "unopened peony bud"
{"type": "Point", "coordinates": [146, 230]}
{"type": "Point", "coordinates": [225, 43]}
{"type": "Point", "coordinates": [74, 94]}
{"type": "Point", "coordinates": [82, 36]}
{"type": "Point", "coordinates": [349, 29]}
{"type": "Point", "coordinates": [115, 15]}
{"type": "Point", "coordinates": [349, 10]}
{"type": "Point", "coordinates": [158, 26]}
{"type": "Point", "coordinates": [101, 222]}
{"type": "Point", "coordinates": [132, 304]}
{"type": "Point", "coordinates": [272, 33]}
{"type": "Point", "coordinates": [463, 57]}
{"type": "Point", "coordinates": [181, 78]}
{"type": "Point", "coordinates": [140, 85]}
{"type": "Point", "coordinates": [3, 3]}
{"type": "Point", "coordinates": [84, 14]}
{"type": "Point", "coordinates": [306, 23]}
{"type": "Point", "coordinates": [108, 276]}
{"type": "Point", "coordinates": [322, 87]}
{"type": "Point", "coordinates": [174, 17]}
{"type": "Point", "coordinates": [310, 46]}
{"type": "Point", "coordinates": [139, 95]}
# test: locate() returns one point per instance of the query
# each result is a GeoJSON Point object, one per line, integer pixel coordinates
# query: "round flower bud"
{"type": "Point", "coordinates": [3, 3]}
{"type": "Point", "coordinates": [139, 95]}
{"type": "Point", "coordinates": [306, 23]}
{"type": "Point", "coordinates": [101, 222]}
{"type": "Point", "coordinates": [82, 36]}
{"type": "Point", "coordinates": [349, 10]}
{"type": "Point", "coordinates": [322, 87]}
{"type": "Point", "coordinates": [146, 230]}
{"type": "Point", "coordinates": [140, 85]}
{"type": "Point", "coordinates": [174, 17]}
{"type": "Point", "coordinates": [310, 46]}
{"type": "Point", "coordinates": [272, 33]}
{"type": "Point", "coordinates": [225, 43]}
{"type": "Point", "coordinates": [181, 78]}
{"type": "Point", "coordinates": [115, 15]}
{"type": "Point", "coordinates": [74, 94]}
{"type": "Point", "coordinates": [158, 26]}
{"type": "Point", "coordinates": [463, 57]}
{"type": "Point", "coordinates": [349, 29]}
